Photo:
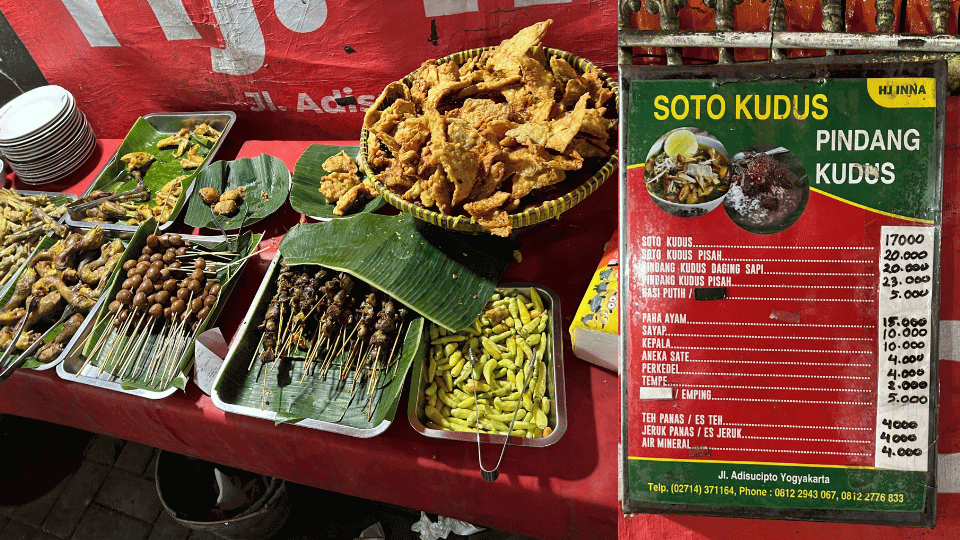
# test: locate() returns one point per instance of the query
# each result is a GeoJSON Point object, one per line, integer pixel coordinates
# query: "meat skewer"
{"type": "Point", "coordinates": [156, 311]}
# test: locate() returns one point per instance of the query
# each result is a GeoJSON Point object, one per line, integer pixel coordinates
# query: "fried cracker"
{"type": "Point", "coordinates": [461, 166]}
{"type": "Point", "coordinates": [504, 58]}
{"type": "Point", "coordinates": [394, 90]}
{"type": "Point", "coordinates": [341, 163]}
{"type": "Point", "coordinates": [336, 184]}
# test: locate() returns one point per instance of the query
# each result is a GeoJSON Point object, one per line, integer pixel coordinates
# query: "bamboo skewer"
{"type": "Point", "coordinates": [135, 354]}
{"type": "Point", "coordinates": [253, 357]}
{"type": "Point", "coordinates": [168, 340]}
{"type": "Point", "coordinates": [122, 358]}
{"type": "Point", "coordinates": [130, 355]}
{"type": "Point", "coordinates": [99, 344]}
{"type": "Point", "coordinates": [116, 339]}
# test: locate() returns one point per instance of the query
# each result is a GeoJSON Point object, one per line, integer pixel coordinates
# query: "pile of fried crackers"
{"type": "Point", "coordinates": [481, 138]}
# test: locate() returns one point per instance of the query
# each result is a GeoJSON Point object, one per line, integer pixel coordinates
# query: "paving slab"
{"type": "Point", "coordinates": [41, 535]}
{"type": "Point", "coordinates": [135, 457]}
{"type": "Point", "coordinates": [36, 511]}
{"type": "Point", "coordinates": [104, 449]}
{"type": "Point", "coordinates": [75, 498]}
{"type": "Point", "coordinates": [18, 530]}
{"type": "Point", "coordinates": [203, 535]}
{"type": "Point", "coordinates": [167, 528]}
{"type": "Point", "coordinates": [101, 523]}
{"type": "Point", "coordinates": [151, 471]}
{"type": "Point", "coordinates": [131, 494]}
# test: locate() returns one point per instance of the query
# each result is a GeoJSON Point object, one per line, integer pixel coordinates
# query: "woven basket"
{"type": "Point", "coordinates": [599, 170]}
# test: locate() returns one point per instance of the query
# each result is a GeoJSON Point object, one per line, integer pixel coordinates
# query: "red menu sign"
{"type": "Point", "coordinates": [779, 252]}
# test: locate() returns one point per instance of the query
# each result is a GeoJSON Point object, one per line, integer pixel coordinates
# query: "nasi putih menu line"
{"type": "Point", "coordinates": [779, 244]}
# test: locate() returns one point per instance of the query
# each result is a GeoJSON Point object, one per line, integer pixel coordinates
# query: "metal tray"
{"type": "Point", "coordinates": [82, 331]}
{"type": "Point", "coordinates": [164, 123]}
{"type": "Point", "coordinates": [68, 369]}
{"type": "Point", "coordinates": [238, 359]}
{"type": "Point", "coordinates": [26, 192]}
{"type": "Point", "coordinates": [556, 387]}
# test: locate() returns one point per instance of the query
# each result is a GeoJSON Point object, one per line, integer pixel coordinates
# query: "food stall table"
{"type": "Point", "coordinates": [567, 490]}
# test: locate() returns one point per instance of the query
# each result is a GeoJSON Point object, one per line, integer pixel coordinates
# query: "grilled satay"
{"type": "Point", "coordinates": [386, 325]}
{"type": "Point", "coordinates": [368, 317]}
{"type": "Point", "coordinates": [271, 322]}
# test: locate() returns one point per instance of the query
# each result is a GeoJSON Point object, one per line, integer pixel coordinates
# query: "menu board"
{"type": "Point", "coordinates": [780, 232]}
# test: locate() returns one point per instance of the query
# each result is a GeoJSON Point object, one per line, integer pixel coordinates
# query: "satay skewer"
{"type": "Point", "coordinates": [104, 358]}
{"type": "Point", "coordinates": [174, 353]}
{"type": "Point", "coordinates": [122, 357]}
{"type": "Point", "coordinates": [103, 338]}
{"type": "Point", "coordinates": [136, 352]}
{"type": "Point", "coordinates": [166, 337]}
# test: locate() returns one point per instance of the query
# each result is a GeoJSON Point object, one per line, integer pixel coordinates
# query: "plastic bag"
{"type": "Point", "coordinates": [230, 494]}
{"type": "Point", "coordinates": [433, 531]}
{"type": "Point", "coordinates": [373, 532]}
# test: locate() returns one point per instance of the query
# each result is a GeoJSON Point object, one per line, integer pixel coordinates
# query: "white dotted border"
{"type": "Point", "coordinates": [810, 325]}
{"type": "Point", "coordinates": [775, 299]}
{"type": "Point", "coordinates": [793, 388]}
{"type": "Point", "coordinates": [839, 364]}
{"type": "Point", "coordinates": [789, 426]}
{"type": "Point", "coordinates": [802, 439]}
{"type": "Point", "coordinates": [834, 261]}
{"type": "Point", "coordinates": [768, 337]}
{"type": "Point", "coordinates": [807, 401]}
{"type": "Point", "coordinates": [747, 349]}
{"type": "Point", "coordinates": [779, 451]}
{"type": "Point", "coordinates": [785, 375]}
{"type": "Point", "coordinates": [844, 248]}
{"type": "Point", "coordinates": [860, 274]}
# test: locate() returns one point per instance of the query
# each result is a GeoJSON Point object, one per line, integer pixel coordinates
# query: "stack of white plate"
{"type": "Point", "coordinates": [43, 135]}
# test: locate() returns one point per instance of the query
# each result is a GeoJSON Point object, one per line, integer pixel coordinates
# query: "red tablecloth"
{"type": "Point", "coordinates": [568, 490]}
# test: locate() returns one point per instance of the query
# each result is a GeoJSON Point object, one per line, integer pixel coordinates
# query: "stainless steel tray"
{"type": "Point", "coordinates": [164, 123]}
{"type": "Point", "coordinates": [27, 192]}
{"type": "Point", "coordinates": [68, 369]}
{"type": "Point", "coordinates": [556, 386]}
{"type": "Point", "coordinates": [238, 360]}
{"type": "Point", "coordinates": [84, 328]}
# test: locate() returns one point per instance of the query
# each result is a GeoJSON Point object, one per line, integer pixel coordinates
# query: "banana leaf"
{"type": "Point", "coordinates": [280, 390]}
{"type": "Point", "coordinates": [143, 137]}
{"type": "Point", "coordinates": [265, 178]}
{"type": "Point", "coordinates": [147, 338]}
{"type": "Point", "coordinates": [41, 326]}
{"type": "Point", "coordinates": [305, 196]}
{"type": "Point", "coordinates": [435, 272]}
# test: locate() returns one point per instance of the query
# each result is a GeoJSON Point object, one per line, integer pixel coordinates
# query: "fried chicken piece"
{"type": "Point", "coordinates": [179, 139]}
{"type": "Point", "coordinates": [225, 207]}
{"type": "Point", "coordinates": [193, 160]}
{"type": "Point", "coordinates": [137, 160]}
{"type": "Point", "coordinates": [206, 133]}
{"type": "Point", "coordinates": [234, 194]}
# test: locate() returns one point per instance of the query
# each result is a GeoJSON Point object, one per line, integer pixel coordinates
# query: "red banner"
{"type": "Point", "coordinates": [293, 69]}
